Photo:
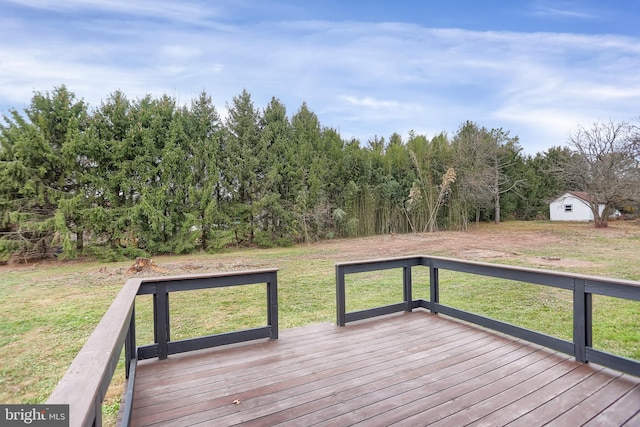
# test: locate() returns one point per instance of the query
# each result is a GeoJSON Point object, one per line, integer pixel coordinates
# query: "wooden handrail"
{"type": "Point", "coordinates": [85, 383]}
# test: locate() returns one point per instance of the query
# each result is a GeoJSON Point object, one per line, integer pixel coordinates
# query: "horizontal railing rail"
{"type": "Point", "coordinates": [162, 287]}
{"type": "Point", "coordinates": [582, 286]}
{"type": "Point", "coordinates": [85, 383]}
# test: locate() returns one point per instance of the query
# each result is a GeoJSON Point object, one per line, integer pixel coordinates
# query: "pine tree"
{"type": "Point", "coordinates": [242, 167]}
{"type": "Point", "coordinates": [97, 158]}
{"type": "Point", "coordinates": [204, 133]}
{"type": "Point", "coordinates": [158, 173]}
{"type": "Point", "coordinates": [280, 178]}
{"type": "Point", "coordinates": [35, 178]}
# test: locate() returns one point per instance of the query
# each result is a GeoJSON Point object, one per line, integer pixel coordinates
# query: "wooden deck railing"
{"type": "Point", "coordinates": [87, 379]}
{"type": "Point", "coordinates": [85, 384]}
{"type": "Point", "coordinates": [582, 286]}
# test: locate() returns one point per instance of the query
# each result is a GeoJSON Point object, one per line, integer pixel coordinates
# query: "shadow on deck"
{"type": "Point", "coordinates": [405, 369]}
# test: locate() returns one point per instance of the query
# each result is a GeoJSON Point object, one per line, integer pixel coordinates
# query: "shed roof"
{"type": "Point", "coordinates": [581, 195]}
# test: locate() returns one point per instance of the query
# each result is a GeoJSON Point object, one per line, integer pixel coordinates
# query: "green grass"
{"type": "Point", "coordinates": [616, 326]}
{"type": "Point", "coordinates": [48, 311]}
{"type": "Point", "coordinates": [539, 308]}
{"type": "Point", "coordinates": [371, 289]}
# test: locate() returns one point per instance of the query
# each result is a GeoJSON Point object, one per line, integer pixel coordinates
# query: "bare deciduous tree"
{"type": "Point", "coordinates": [483, 157]}
{"type": "Point", "coordinates": [605, 164]}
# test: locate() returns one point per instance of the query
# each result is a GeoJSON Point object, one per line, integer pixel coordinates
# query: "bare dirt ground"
{"type": "Point", "coordinates": [476, 244]}
{"type": "Point", "coordinates": [485, 242]}
{"type": "Point", "coordinates": [554, 244]}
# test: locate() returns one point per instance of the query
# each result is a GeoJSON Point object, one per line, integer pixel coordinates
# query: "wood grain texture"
{"type": "Point", "coordinates": [408, 369]}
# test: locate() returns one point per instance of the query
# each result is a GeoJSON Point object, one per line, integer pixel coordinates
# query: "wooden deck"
{"type": "Point", "coordinates": [409, 369]}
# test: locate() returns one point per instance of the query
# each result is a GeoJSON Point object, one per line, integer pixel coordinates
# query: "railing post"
{"type": "Point", "coordinates": [340, 296]}
{"type": "Point", "coordinates": [97, 421]}
{"type": "Point", "coordinates": [272, 304]}
{"type": "Point", "coordinates": [161, 320]}
{"type": "Point", "coordinates": [434, 288]}
{"type": "Point", "coordinates": [582, 320]}
{"type": "Point", "coordinates": [406, 283]}
{"type": "Point", "coordinates": [130, 342]}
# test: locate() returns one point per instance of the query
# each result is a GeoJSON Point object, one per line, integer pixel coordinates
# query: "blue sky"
{"type": "Point", "coordinates": [537, 68]}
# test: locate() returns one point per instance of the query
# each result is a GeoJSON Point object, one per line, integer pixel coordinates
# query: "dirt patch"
{"type": "Point", "coordinates": [471, 245]}
{"type": "Point", "coordinates": [145, 265]}
{"type": "Point", "coordinates": [486, 243]}
{"type": "Point", "coordinates": [485, 254]}
{"type": "Point", "coordinates": [552, 263]}
{"type": "Point", "coordinates": [510, 242]}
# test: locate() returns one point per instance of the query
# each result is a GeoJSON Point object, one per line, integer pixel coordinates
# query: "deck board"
{"type": "Point", "coordinates": [406, 369]}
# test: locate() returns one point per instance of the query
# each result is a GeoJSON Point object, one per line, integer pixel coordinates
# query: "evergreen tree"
{"type": "Point", "coordinates": [34, 176]}
{"type": "Point", "coordinates": [159, 177]}
{"type": "Point", "coordinates": [312, 205]}
{"type": "Point", "coordinates": [204, 133]}
{"type": "Point", "coordinates": [150, 174]}
{"type": "Point", "coordinates": [242, 168]}
{"type": "Point", "coordinates": [280, 181]}
{"type": "Point", "coordinates": [98, 158]}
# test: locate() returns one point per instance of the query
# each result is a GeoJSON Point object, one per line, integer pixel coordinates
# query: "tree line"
{"type": "Point", "coordinates": [149, 175]}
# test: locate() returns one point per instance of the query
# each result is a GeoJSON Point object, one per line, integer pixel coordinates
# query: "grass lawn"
{"type": "Point", "coordinates": [48, 310]}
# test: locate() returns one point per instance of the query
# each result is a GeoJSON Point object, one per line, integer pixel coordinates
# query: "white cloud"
{"type": "Point", "coordinates": [369, 102]}
{"type": "Point", "coordinates": [183, 10]}
{"type": "Point", "coordinates": [564, 13]}
{"type": "Point", "coordinates": [363, 78]}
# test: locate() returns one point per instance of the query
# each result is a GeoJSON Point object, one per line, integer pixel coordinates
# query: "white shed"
{"type": "Point", "coordinates": [572, 206]}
